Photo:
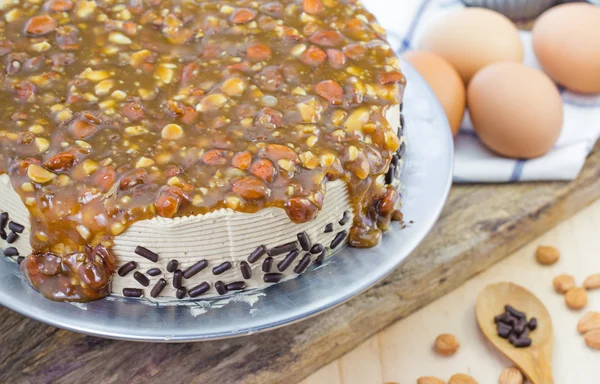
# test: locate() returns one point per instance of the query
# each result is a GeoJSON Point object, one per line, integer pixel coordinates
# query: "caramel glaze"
{"type": "Point", "coordinates": [115, 111]}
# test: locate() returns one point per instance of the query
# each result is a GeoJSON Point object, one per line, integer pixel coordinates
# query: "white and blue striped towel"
{"type": "Point", "coordinates": [406, 20]}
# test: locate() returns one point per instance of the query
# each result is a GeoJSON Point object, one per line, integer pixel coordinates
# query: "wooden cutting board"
{"type": "Point", "coordinates": [480, 225]}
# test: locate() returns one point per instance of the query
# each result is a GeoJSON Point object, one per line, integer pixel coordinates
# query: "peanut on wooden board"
{"type": "Point", "coordinates": [562, 283]}
{"type": "Point", "coordinates": [592, 339]}
{"type": "Point", "coordinates": [576, 298]}
{"type": "Point", "coordinates": [592, 281]}
{"type": "Point", "coordinates": [462, 378]}
{"type": "Point", "coordinates": [547, 255]}
{"type": "Point", "coordinates": [446, 344]}
{"type": "Point", "coordinates": [511, 376]}
{"type": "Point", "coordinates": [589, 322]}
{"type": "Point", "coordinates": [430, 380]}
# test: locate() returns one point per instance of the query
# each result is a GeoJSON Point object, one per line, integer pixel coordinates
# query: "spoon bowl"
{"type": "Point", "coordinates": [535, 361]}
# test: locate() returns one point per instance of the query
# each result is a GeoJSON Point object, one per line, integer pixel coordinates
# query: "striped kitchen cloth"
{"type": "Point", "coordinates": [406, 20]}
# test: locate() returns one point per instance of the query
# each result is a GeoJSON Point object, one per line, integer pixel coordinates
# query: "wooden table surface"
{"type": "Point", "coordinates": [403, 352]}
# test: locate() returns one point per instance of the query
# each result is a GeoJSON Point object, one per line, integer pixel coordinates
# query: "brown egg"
{"type": "Point", "coordinates": [566, 41]}
{"type": "Point", "coordinates": [473, 38]}
{"type": "Point", "coordinates": [445, 82]}
{"type": "Point", "coordinates": [516, 110]}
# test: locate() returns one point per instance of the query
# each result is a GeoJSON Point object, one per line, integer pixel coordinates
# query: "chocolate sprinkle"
{"type": "Point", "coordinates": [194, 269]}
{"type": "Point", "coordinates": [141, 279]}
{"type": "Point", "coordinates": [288, 260]}
{"type": "Point", "coordinates": [3, 234]}
{"type": "Point", "coordinates": [236, 286]}
{"type": "Point", "coordinates": [3, 220]}
{"type": "Point", "coordinates": [257, 254]}
{"type": "Point", "coordinates": [172, 265]}
{"type": "Point", "coordinates": [16, 227]}
{"type": "Point", "coordinates": [317, 248]}
{"type": "Point", "coordinates": [154, 272]}
{"type": "Point", "coordinates": [145, 252]}
{"type": "Point", "coordinates": [226, 266]}
{"type": "Point", "coordinates": [395, 160]}
{"type": "Point", "coordinates": [272, 277]}
{"type": "Point", "coordinates": [345, 218]}
{"type": "Point", "coordinates": [303, 264]}
{"type": "Point", "coordinates": [132, 292]}
{"type": "Point", "coordinates": [337, 240]}
{"type": "Point", "coordinates": [281, 249]}
{"type": "Point", "coordinates": [220, 287]}
{"type": "Point", "coordinates": [158, 288]}
{"type": "Point", "coordinates": [321, 258]}
{"type": "Point", "coordinates": [126, 268]}
{"type": "Point", "coordinates": [266, 265]}
{"type": "Point", "coordinates": [11, 251]}
{"type": "Point", "coordinates": [180, 294]}
{"type": "Point", "coordinates": [304, 241]}
{"type": "Point", "coordinates": [199, 289]}
{"type": "Point", "coordinates": [246, 270]}
{"type": "Point", "coordinates": [329, 228]}
{"type": "Point", "coordinates": [177, 276]}
{"type": "Point", "coordinates": [20, 259]}
{"type": "Point", "coordinates": [391, 175]}
{"type": "Point", "coordinates": [12, 237]}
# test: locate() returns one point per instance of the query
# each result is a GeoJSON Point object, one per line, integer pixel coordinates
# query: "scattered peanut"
{"type": "Point", "coordinates": [446, 344]}
{"type": "Point", "coordinates": [592, 282]}
{"type": "Point", "coordinates": [589, 322]}
{"type": "Point", "coordinates": [511, 376]}
{"type": "Point", "coordinates": [462, 378]}
{"type": "Point", "coordinates": [562, 283]}
{"type": "Point", "coordinates": [547, 255]}
{"type": "Point", "coordinates": [576, 298]}
{"type": "Point", "coordinates": [592, 339]}
{"type": "Point", "coordinates": [430, 380]}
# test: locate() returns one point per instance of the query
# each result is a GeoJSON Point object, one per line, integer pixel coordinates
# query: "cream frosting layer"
{"type": "Point", "coordinates": [220, 236]}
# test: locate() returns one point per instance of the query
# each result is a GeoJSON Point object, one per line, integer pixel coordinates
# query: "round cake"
{"type": "Point", "coordinates": [179, 149]}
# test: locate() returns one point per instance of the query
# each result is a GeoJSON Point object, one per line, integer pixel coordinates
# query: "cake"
{"type": "Point", "coordinates": [182, 149]}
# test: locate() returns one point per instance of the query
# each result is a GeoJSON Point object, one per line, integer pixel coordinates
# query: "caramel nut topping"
{"type": "Point", "coordinates": [121, 111]}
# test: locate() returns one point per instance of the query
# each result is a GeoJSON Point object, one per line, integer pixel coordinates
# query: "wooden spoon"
{"type": "Point", "coordinates": [535, 361]}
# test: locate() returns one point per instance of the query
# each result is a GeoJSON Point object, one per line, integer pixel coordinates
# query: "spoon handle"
{"type": "Point", "coordinates": [542, 366]}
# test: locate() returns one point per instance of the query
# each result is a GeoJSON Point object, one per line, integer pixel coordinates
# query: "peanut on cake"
{"type": "Point", "coordinates": [191, 148]}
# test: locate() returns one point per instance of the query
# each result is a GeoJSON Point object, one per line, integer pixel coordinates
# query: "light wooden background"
{"type": "Point", "coordinates": [403, 352]}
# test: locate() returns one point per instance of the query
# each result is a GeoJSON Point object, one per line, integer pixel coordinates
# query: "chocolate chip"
{"type": "Point", "coordinates": [394, 160]}
{"type": "Point", "coordinates": [126, 268]}
{"type": "Point", "coordinates": [3, 220]}
{"type": "Point", "coordinates": [3, 234]}
{"type": "Point", "coordinates": [287, 260]}
{"type": "Point", "coordinates": [199, 289]}
{"type": "Point", "coordinates": [320, 258]}
{"type": "Point", "coordinates": [158, 287]}
{"type": "Point", "coordinates": [304, 241]}
{"type": "Point", "coordinates": [345, 218]}
{"type": "Point", "coordinates": [20, 259]}
{"type": "Point", "coordinates": [145, 252]}
{"type": "Point", "coordinates": [16, 227]}
{"type": "Point", "coordinates": [329, 228]}
{"type": "Point", "coordinates": [281, 249]}
{"type": "Point", "coordinates": [132, 292]}
{"type": "Point", "coordinates": [303, 264]}
{"type": "Point", "coordinates": [180, 293]}
{"type": "Point", "coordinates": [172, 265]}
{"type": "Point", "coordinates": [226, 266]}
{"type": "Point", "coordinates": [391, 174]}
{"type": "Point", "coordinates": [272, 277]}
{"type": "Point", "coordinates": [194, 269]}
{"type": "Point", "coordinates": [141, 279]}
{"type": "Point", "coordinates": [532, 325]}
{"type": "Point", "coordinates": [153, 272]}
{"type": "Point", "coordinates": [236, 286]}
{"type": "Point", "coordinates": [522, 342]}
{"type": "Point", "coordinates": [220, 287]}
{"type": "Point", "coordinates": [338, 239]}
{"type": "Point", "coordinates": [246, 270]}
{"type": "Point", "coordinates": [177, 277]}
{"type": "Point", "coordinates": [317, 248]}
{"type": "Point", "coordinates": [12, 237]}
{"type": "Point", "coordinates": [11, 251]}
{"type": "Point", "coordinates": [267, 263]}
{"type": "Point", "coordinates": [514, 312]}
{"type": "Point", "coordinates": [257, 254]}
{"type": "Point", "coordinates": [504, 330]}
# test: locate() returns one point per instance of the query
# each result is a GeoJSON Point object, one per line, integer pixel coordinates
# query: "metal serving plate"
{"type": "Point", "coordinates": [426, 178]}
